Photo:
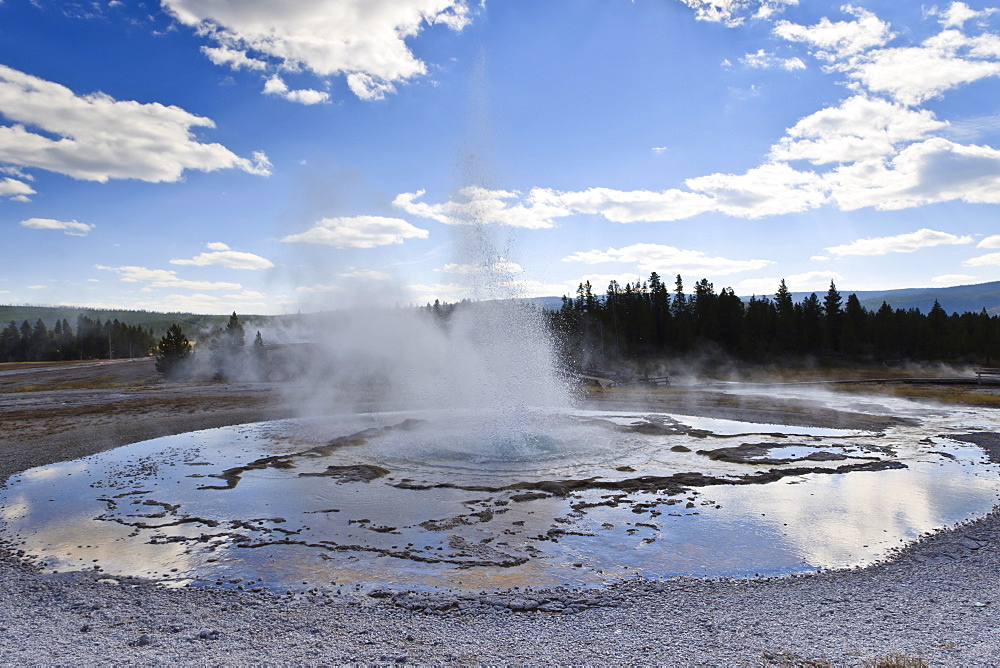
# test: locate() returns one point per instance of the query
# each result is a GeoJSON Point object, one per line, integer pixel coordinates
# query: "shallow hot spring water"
{"type": "Point", "coordinates": [429, 499]}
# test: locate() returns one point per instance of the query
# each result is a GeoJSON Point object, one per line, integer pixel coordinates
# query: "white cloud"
{"type": "Point", "coordinates": [667, 260]}
{"type": "Point", "coordinates": [203, 303]}
{"type": "Point", "coordinates": [810, 281]}
{"type": "Point", "coordinates": [820, 258]}
{"type": "Point", "coordinates": [368, 87]}
{"type": "Point", "coordinates": [307, 96]}
{"type": "Point", "coordinates": [15, 190]}
{"type": "Point", "coordinates": [366, 274]}
{"type": "Point", "coordinates": [246, 295]}
{"type": "Point", "coordinates": [771, 189]}
{"type": "Point", "coordinates": [936, 170]}
{"type": "Point", "coordinates": [957, 13]}
{"type": "Point", "coordinates": [914, 74]}
{"type": "Point", "coordinates": [95, 137]}
{"type": "Point", "coordinates": [992, 241]}
{"type": "Point", "coordinates": [762, 60]}
{"type": "Point", "coordinates": [163, 278]}
{"type": "Point", "coordinates": [501, 266]}
{"type": "Point", "coordinates": [953, 279]}
{"type": "Point", "coordinates": [318, 288]}
{"type": "Point", "coordinates": [221, 255]}
{"type": "Point", "coordinates": [628, 206]}
{"type": "Point", "coordinates": [900, 243]}
{"type": "Point", "coordinates": [446, 292]}
{"type": "Point", "coordinates": [841, 39]}
{"type": "Point", "coordinates": [991, 259]}
{"type": "Point", "coordinates": [860, 128]}
{"type": "Point", "coordinates": [599, 282]}
{"type": "Point", "coordinates": [358, 232]}
{"type": "Point", "coordinates": [362, 39]}
{"type": "Point", "coordinates": [475, 205]}
{"type": "Point", "coordinates": [70, 227]}
{"type": "Point", "coordinates": [527, 288]}
{"type": "Point", "coordinates": [233, 58]}
{"type": "Point", "coordinates": [735, 12]}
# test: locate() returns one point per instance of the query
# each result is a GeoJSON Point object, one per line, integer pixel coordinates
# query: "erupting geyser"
{"type": "Point", "coordinates": [443, 449]}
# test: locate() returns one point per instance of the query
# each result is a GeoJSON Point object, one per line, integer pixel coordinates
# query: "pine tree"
{"type": "Point", "coordinates": [833, 314]}
{"type": "Point", "coordinates": [172, 350]}
{"type": "Point", "coordinates": [785, 324]}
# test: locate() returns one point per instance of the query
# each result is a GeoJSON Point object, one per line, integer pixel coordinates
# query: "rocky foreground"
{"type": "Point", "coordinates": [937, 601]}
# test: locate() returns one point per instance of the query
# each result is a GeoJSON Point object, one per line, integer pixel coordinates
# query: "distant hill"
{"type": "Point", "coordinates": [956, 299]}
{"type": "Point", "coordinates": [159, 322]}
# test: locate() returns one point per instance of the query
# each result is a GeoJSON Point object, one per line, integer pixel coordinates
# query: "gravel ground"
{"type": "Point", "coordinates": [937, 601]}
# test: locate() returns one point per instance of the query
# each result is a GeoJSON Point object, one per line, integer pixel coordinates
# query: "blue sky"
{"type": "Point", "coordinates": [269, 157]}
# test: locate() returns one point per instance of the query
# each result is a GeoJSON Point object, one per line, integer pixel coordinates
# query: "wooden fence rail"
{"type": "Point", "coordinates": [988, 373]}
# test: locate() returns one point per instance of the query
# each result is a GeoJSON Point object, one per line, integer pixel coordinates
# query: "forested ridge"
{"type": "Point", "coordinates": [643, 321]}
{"type": "Point", "coordinates": [91, 339]}
{"type": "Point", "coordinates": [650, 320]}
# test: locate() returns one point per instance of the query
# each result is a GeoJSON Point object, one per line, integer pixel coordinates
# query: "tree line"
{"type": "Point", "coordinates": [227, 357]}
{"type": "Point", "coordinates": [649, 320]}
{"type": "Point", "coordinates": [91, 339]}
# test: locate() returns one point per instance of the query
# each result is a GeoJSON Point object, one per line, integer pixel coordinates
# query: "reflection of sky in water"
{"type": "Point", "coordinates": [143, 509]}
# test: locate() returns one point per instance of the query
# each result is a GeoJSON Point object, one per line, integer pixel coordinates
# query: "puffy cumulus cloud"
{"type": "Point", "coordinates": [834, 40]}
{"type": "Point", "coordinates": [95, 137]}
{"type": "Point", "coordinates": [935, 170]}
{"type": "Point", "coordinates": [910, 74]}
{"type": "Point", "coordinates": [657, 257]}
{"type": "Point", "coordinates": [365, 274]}
{"type": "Point", "coordinates": [953, 279]}
{"type": "Point", "coordinates": [914, 74]}
{"type": "Point", "coordinates": [277, 86]}
{"type": "Point", "coordinates": [900, 243]}
{"type": "Point", "coordinates": [362, 39]}
{"type": "Point", "coordinates": [992, 241]}
{"type": "Point", "coordinates": [220, 254]}
{"type": "Point", "coordinates": [628, 206]}
{"type": "Point", "coordinates": [810, 281]}
{"type": "Point", "coordinates": [368, 87]}
{"type": "Point", "coordinates": [860, 128]}
{"type": "Point", "coordinates": [762, 60]}
{"type": "Point", "coordinates": [475, 205]}
{"type": "Point", "coordinates": [233, 58]}
{"type": "Point", "coordinates": [957, 13]}
{"type": "Point", "coordinates": [17, 191]}
{"type": "Point", "coordinates": [358, 232]}
{"type": "Point", "coordinates": [501, 266]}
{"type": "Point", "coordinates": [70, 227]}
{"type": "Point", "coordinates": [990, 259]}
{"type": "Point", "coordinates": [163, 278]}
{"type": "Point", "coordinates": [735, 12]}
{"type": "Point", "coordinates": [771, 189]}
